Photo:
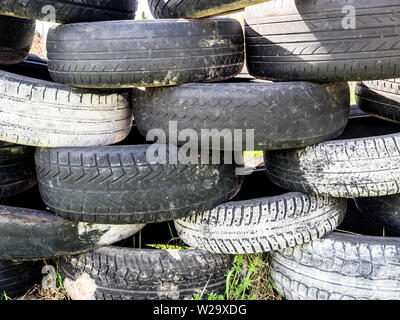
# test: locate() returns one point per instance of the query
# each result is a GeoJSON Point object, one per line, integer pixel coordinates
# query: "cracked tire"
{"type": "Point", "coordinates": [137, 274]}
{"type": "Point", "coordinates": [118, 185]}
{"type": "Point", "coordinates": [305, 40]}
{"type": "Point", "coordinates": [127, 54]}
{"type": "Point", "coordinates": [339, 267]}
{"type": "Point", "coordinates": [384, 210]}
{"type": "Point", "coordinates": [283, 115]}
{"type": "Point", "coordinates": [17, 278]}
{"type": "Point", "coordinates": [348, 168]}
{"type": "Point", "coordinates": [262, 225]}
{"type": "Point", "coordinates": [196, 9]}
{"type": "Point", "coordinates": [17, 169]}
{"type": "Point", "coordinates": [41, 113]}
{"type": "Point", "coordinates": [27, 234]}
{"type": "Point", "coordinates": [69, 11]}
{"type": "Point", "coordinates": [16, 37]}
{"type": "Point", "coordinates": [380, 98]}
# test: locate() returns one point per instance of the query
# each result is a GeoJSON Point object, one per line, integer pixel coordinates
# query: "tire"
{"type": "Point", "coordinates": [339, 267]}
{"type": "Point", "coordinates": [118, 185]}
{"type": "Point", "coordinates": [45, 114]}
{"type": "Point", "coordinates": [308, 113]}
{"type": "Point", "coordinates": [70, 11]}
{"type": "Point", "coordinates": [196, 9]}
{"type": "Point", "coordinates": [380, 98]}
{"type": "Point", "coordinates": [127, 54]}
{"type": "Point", "coordinates": [262, 225]}
{"type": "Point", "coordinates": [17, 278]}
{"type": "Point", "coordinates": [295, 40]}
{"type": "Point", "coordinates": [16, 37]}
{"type": "Point", "coordinates": [27, 235]}
{"type": "Point", "coordinates": [384, 210]}
{"type": "Point", "coordinates": [17, 169]}
{"type": "Point", "coordinates": [137, 274]}
{"type": "Point", "coordinates": [350, 168]}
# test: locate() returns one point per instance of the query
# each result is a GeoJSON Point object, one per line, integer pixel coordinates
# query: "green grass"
{"type": "Point", "coordinates": [248, 279]}
{"type": "Point", "coordinates": [252, 154]}
{"type": "Point", "coordinates": [352, 93]}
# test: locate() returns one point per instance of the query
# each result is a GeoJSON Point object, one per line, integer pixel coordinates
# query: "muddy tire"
{"type": "Point", "coordinates": [339, 267]}
{"type": "Point", "coordinates": [69, 11]}
{"type": "Point", "coordinates": [384, 210]}
{"type": "Point", "coordinates": [46, 114]}
{"type": "Point", "coordinates": [119, 185]}
{"type": "Point", "coordinates": [127, 54]}
{"type": "Point", "coordinates": [17, 278]}
{"type": "Point", "coordinates": [316, 41]}
{"type": "Point", "coordinates": [17, 169]}
{"type": "Point", "coordinates": [283, 115]}
{"type": "Point", "coordinates": [137, 274]}
{"type": "Point", "coordinates": [16, 37]}
{"type": "Point", "coordinates": [350, 168]}
{"type": "Point", "coordinates": [262, 225]}
{"type": "Point", "coordinates": [196, 9]}
{"type": "Point", "coordinates": [380, 98]}
{"type": "Point", "coordinates": [35, 235]}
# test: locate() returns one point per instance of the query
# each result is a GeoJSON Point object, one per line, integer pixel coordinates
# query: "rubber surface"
{"type": "Point", "coordinates": [121, 185]}
{"type": "Point", "coordinates": [17, 278]}
{"type": "Point", "coordinates": [339, 267]}
{"type": "Point", "coordinates": [114, 273]}
{"type": "Point", "coordinates": [263, 224]}
{"type": "Point", "coordinates": [16, 37]}
{"type": "Point", "coordinates": [385, 210]}
{"type": "Point", "coordinates": [316, 41]}
{"type": "Point", "coordinates": [162, 9]}
{"type": "Point", "coordinates": [350, 168]}
{"type": "Point", "coordinates": [380, 98]}
{"type": "Point", "coordinates": [282, 115]}
{"type": "Point", "coordinates": [35, 235]}
{"type": "Point", "coordinates": [17, 169]}
{"type": "Point", "coordinates": [46, 114]}
{"type": "Point", "coordinates": [147, 53]}
{"type": "Point", "coordinates": [69, 11]}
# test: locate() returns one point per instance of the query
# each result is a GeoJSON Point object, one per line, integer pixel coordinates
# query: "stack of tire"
{"type": "Point", "coordinates": [99, 194]}
{"type": "Point", "coordinates": [334, 41]}
{"type": "Point", "coordinates": [318, 46]}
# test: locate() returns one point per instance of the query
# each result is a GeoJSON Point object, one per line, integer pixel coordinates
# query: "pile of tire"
{"type": "Point", "coordinates": [67, 125]}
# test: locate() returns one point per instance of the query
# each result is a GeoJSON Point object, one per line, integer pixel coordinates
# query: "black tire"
{"type": "Point", "coordinates": [283, 115]}
{"type": "Point", "coordinates": [16, 37]}
{"type": "Point", "coordinates": [384, 210]}
{"type": "Point", "coordinates": [17, 278]}
{"type": "Point", "coordinates": [349, 168]}
{"type": "Point", "coordinates": [17, 169]}
{"type": "Point", "coordinates": [380, 98]}
{"type": "Point", "coordinates": [262, 225]}
{"type": "Point", "coordinates": [306, 40]}
{"type": "Point", "coordinates": [27, 235]}
{"type": "Point", "coordinates": [46, 114]}
{"type": "Point", "coordinates": [137, 274]}
{"type": "Point", "coordinates": [128, 54]}
{"type": "Point", "coordinates": [339, 266]}
{"type": "Point", "coordinates": [196, 9]}
{"type": "Point", "coordinates": [69, 11]}
{"type": "Point", "coordinates": [119, 185]}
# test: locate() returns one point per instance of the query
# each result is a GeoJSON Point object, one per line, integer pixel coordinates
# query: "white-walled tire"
{"type": "Point", "coordinates": [339, 267]}
{"type": "Point", "coordinates": [262, 225]}
{"type": "Point", "coordinates": [45, 114]}
{"type": "Point", "coordinates": [350, 168]}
